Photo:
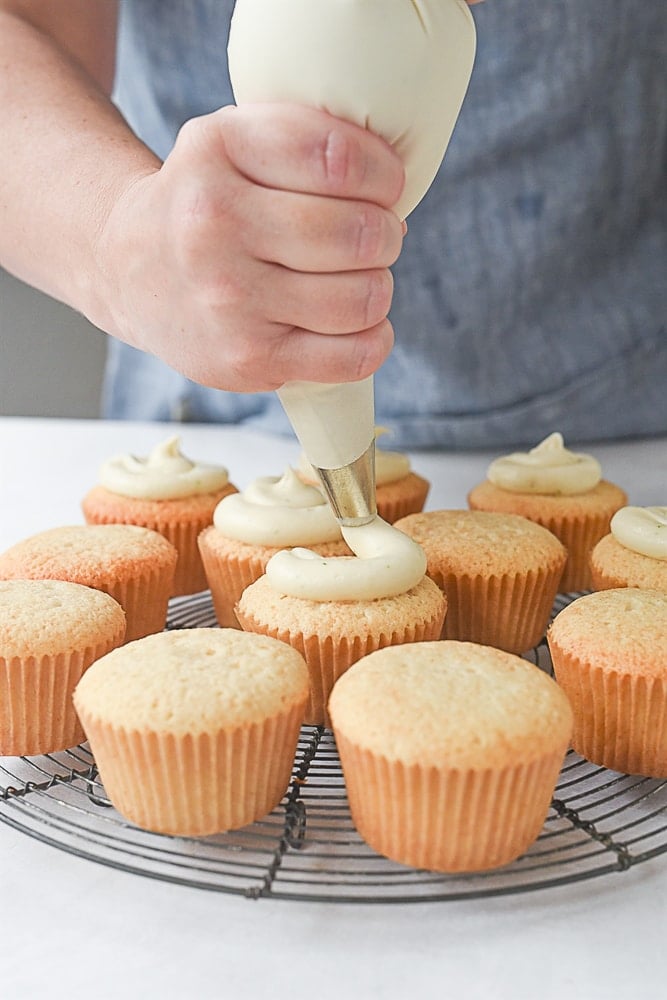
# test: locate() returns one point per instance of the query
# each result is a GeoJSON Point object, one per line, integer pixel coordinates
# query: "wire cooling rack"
{"type": "Point", "coordinates": [599, 823]}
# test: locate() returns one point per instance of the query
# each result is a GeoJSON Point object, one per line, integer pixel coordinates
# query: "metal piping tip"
{"type": "Point", "coordinates": [351, 489]}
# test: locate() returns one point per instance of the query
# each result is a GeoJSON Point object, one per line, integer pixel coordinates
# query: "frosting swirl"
{"type": "Point", "coordinates": [166, 474]}
{"type": "Point", "coordinates": [642, 530]}
{"type": "Point", "coordinates": [549, 469]}
{"type": "Point", "coordinates": [277, 511]}
{"type": "Point", "coordinates": [386, 562]}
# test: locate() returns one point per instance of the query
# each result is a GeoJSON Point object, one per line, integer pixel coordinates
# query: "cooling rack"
{"type": "Point", "coordinates": [600, 823]}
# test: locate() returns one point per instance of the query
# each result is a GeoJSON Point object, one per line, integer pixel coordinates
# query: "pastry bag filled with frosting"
{"type": "Point", "coordinates": [400, 68]}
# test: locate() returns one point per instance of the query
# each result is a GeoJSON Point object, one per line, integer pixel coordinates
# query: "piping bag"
{"type": "Point", "coordinates": [400, 68]}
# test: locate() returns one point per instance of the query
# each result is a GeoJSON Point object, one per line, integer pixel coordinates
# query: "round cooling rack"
{"type": "Point", "coordinates": [600, 822]}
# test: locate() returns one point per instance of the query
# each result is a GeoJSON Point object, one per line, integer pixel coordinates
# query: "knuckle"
{"type": "Point", "coordinates": [379, 291]}
{"type": "Point", "coordinates": [369, 235]}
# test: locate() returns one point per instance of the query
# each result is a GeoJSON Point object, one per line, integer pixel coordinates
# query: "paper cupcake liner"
{"type": "Point", "coordinates": [327, 659]}
{"type": "Point", "coordinates": [227, 577]}
{"type": "Point", "coordinates": [144, 600]}
{"type": "Point", "coordinates": [36, 711]}
{"type": "Point", "coordinates": [620, 720]}
{"type": "Point", "coordinates": [407, 496]}
{"type": "Point", "coordinates": [447, 820]}
{"type": "Point", "coordinates": [579, 536]}
{"type": "Point", "coordinates": [193, 786]}
{"type": "Point", "coordinates": [509, 612]}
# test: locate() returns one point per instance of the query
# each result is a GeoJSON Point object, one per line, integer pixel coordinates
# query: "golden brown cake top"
{"type": "Point", "coordinates": [90, 553]}
{"type": "Point", "coordinates": [481, 542]}
{"type": "Point", "coordinates": [193, 681]}
{"type": "Point", "coordinates": [49, 617]}
{"type": "Point", "coordinates": [623, 629]}
{"type": "Point", "coordinates": [457, 704]}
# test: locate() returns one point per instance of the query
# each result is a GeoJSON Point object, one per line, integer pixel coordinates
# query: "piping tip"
{"type": "Point", "coordinates": [351, 489]}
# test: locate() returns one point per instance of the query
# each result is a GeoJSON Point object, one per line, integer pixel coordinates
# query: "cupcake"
{"type": "Point", "coordinates": [50, 633]}
{"type": "Point", "coordinates": [133, 565]}
{"type": "Point", "coordinates": [450, 751]}
{"type": "Point", "coordinates": [609, 653]}
{"type": "Point", "coordinates": [273, 512]}
{"type": "Point", "coordinates": [500, 574]}
{"type": "Point", "coordinates": [194, 731]}
{"type": "Point", "coordinates": [167, 493]}
{"type": "Point", "coordinates": [559, 489]}
{"type": "Point", "coordinates": [634, 553]}
{"type": "Point", "coordinates": [336, 610]}
{"type": "Point", "coordinates": [398, 490]}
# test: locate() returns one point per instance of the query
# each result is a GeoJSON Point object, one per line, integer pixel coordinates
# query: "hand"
{"type": "Point", "coordinates": [259, 251]}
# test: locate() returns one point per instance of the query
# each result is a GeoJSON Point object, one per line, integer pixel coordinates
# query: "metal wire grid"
{"type": "Point", "coordinates": [599, 823]}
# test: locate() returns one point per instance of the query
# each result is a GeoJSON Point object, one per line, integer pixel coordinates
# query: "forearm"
{"type": "Point", "coordinates": [68, 155]}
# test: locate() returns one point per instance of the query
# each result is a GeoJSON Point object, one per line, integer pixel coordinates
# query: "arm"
{"type": "Point", "coordinates": [258, 252]}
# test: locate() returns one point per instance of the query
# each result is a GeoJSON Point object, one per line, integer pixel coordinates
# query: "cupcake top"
{"type": "Point", "coordinates": [622, 629]}
{"type": "Point", "coordinates": [642, 530]}
{"type": "Point", "coordinates": [166, 474]}
{"type": "Point", "coordinates": [192, 681]}
{"type": "Point", "coordinates": [474, 542]}
{"type": "Point", "coordinates": [277, 511]}
{"type": "Point", "coordinates": [50, 617]}
{"type": "Point", "coordinates": [549, 469]}
{"type": "Point", "coordinates": [87, 553]}
{"type": "Point", "coordinates": [386, 562]}
{"type": "Point", "coordinates": [468, 705]}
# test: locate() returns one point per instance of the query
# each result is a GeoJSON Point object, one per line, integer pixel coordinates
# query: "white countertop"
{"type": "Point", "coordinates": [71, 928]}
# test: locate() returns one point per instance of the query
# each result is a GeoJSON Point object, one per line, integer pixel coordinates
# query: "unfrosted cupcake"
{"type": "Point", "coordinates": [450, 751]}
{"type": "Point", "coordinates": [167, 493]}
{"type": "Point", "coordinates": [499, 572]}
{"type": "Point", "coordinates": [609, 652]}
{"type": "Point", "coordinates": [398, 490]}
{"type": "Point", "coordinates": [272, 513]}
{"type": "Point", "coordinates": [336, 610]}
{"type": "Point", "coordinates": [634, 553]}
{"type": "Point", "coordinates": [559, 489]}
{"type": "Point", "coordinates": [194, 731]}
{"type": "Point", "coordinates": [133, 565]}
{"type": "Point", "coordinates": [50, 633]}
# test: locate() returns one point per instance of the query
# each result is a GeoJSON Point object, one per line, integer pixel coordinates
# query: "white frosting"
{"type": "Point", "coordinates": [398, 67]}
{"type": "Point", "coordinates": [642, 529]}
{"type": "Point", "coordinates": [277, 511]}
{"type": "Point", "coordinates": [386, 562]}
{"type": "Point", "coordinates": [166, 474]}
{"type": "Point", "coordinates": [549, 469]}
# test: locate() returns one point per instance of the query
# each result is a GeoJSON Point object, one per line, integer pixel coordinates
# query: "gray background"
{"type": "Point", "coordinates": [51, 358]}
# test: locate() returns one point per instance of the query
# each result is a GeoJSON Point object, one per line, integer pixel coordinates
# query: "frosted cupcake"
{"type": "Point", "coordinates": [609, 652]}
{"type": "Point", "coordinates": [634, 553]}
{"type": "Point", "coordinates": [194, 731]}
{"type": "Point", "coordinates": [272, 513]}
{"type": "Point", "coordinates": [336, 610]}
{"type": "Point", "coordinates": [399, 491]}
{"type": "Point", "coordinates": [499, 572]}
{"type": "Point", "coordinates": [133, 565]}
{"type": "Point", "coordinates": [559, 489]}
{"type": "Point", "coordinates": [50, 633]}
{"type": "Point", "coordinates": [450, 751]}
{"type": "Point", "coordinates": [165, 492]}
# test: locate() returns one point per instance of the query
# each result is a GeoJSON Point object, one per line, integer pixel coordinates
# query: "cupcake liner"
{"type": "Point", "coordinates": [510, 612]}
{"type": "Point", "coordinates": [579, 535]}
{"type": "Point", "coordinates": [36, 711]}
{"type": "Point", "coordinates": [194, 786]}
{"type": "Point", "coordinates": [447, 820]}
{"type": "Point", "coordinates": [228, 575]}
{"type": "Point", "coordinates": [144, 599]}
{"type": "Point", "coordinates": [328, 658]}
{"type": "Point", "coordinates": [405, 496]}
{"type": "Point", "coordinates": [620, 720]}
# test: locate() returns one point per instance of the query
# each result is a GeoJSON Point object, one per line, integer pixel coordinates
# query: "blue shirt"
{"type": "Point", "coordinates": [530, 294]}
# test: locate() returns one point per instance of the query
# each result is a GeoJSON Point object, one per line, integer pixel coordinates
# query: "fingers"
{"type": "Point", "coordinates": [295, 148]}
